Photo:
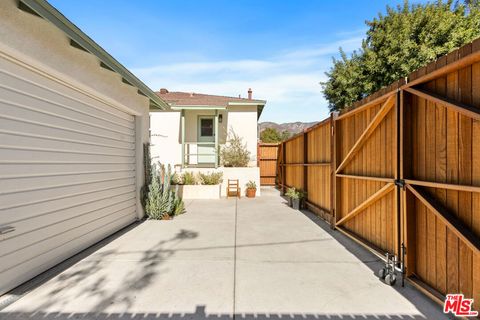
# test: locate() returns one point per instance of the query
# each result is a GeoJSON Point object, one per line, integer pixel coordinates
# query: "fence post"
{"type": "Point", "coordinates": [305, 162]}
{"type": "Point", "coordinates": [398, 190]}
{"type": "Point", "coordinates": [258, 154]}
{"type": "Point", "coordinates": [333, 167]}
{"type": "Point", "coordinates": [284, 167]}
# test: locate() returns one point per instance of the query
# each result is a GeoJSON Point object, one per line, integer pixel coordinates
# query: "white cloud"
{"type": "Point", "coordinates": [288, 81]}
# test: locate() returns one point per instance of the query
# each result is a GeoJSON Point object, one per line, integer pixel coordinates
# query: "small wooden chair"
{"type": "Point", "coordinates": [233, 188]}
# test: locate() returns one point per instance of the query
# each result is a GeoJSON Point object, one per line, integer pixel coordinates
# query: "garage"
{"type": "Point", "coordinates": [71, 161]}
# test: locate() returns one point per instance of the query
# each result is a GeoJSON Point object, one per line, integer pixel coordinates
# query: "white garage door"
{"type": "Point", "coordinates": [67, 172]}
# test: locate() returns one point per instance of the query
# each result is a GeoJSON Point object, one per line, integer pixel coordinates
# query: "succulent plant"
{"type": "Point", "coordinates": [162, 200]}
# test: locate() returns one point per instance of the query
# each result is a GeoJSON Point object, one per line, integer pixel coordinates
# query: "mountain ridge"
{"type": "Point", "coordinates": [292, 127]}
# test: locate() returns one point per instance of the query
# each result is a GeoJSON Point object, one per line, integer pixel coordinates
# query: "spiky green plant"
{"type": "Point", "coordinates": [162, 201]}
{"type": "Point", "coordinates": [148, 170]}
{"type": "Point", "coordinates": [179, 205]}
{"type": "Point", "coordinates": [153, 204]}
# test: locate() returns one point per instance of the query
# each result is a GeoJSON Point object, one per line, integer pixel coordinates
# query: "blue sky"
{"type": "Point", "coordinates": [280, 49]}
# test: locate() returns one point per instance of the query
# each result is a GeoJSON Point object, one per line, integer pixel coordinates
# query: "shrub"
{"type": "Point", "coordinates": [235, 153]}
{"type": "Point", "coordinates": [302, 194]}
{"type": "Point", "coordinates": [176, 179]}
{"type": "Point", "coordinates": [189, 178]}
{"type": "Point", "coordinates": [210, 178]}
{"type": "Point", "coordinates": [251, 185]}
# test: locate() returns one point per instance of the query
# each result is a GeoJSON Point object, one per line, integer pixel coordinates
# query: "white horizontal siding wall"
{"type": "Point", "coordinates": [67, 171]}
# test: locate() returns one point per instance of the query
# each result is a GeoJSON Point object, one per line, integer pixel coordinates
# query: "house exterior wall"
{"type": "Point", "coordinates": [166, 131]}
{"type": "Point", "coordinates": [73, 136]}
{"type": "Point", "coordinates": [243, 121]}
{"type": "Point", "coordinates": [165, 141]}
{"type": "Point", "coordinates": [39, 43]}
{"type": "Point", "coordinates": [191, 124]}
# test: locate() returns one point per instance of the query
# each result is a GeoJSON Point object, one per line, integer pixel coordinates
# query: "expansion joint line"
{"type": "Point", "coordinates": [235, 260]}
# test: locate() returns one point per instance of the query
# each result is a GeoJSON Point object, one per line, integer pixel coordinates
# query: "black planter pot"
{"type": "Point", "coordinates": [289, 201]}
{"type": "Point", "coordinates": [303, 204]}
{"type": "Point", "coordinates": [296, 204]}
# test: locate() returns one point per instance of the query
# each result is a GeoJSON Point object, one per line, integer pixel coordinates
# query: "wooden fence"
{"type": "Point", "coordinates": [308, 166]}
{"type": "Point", "coordinates": [402, 169]}
{"type": "Point", "coordinates": [267, 154]}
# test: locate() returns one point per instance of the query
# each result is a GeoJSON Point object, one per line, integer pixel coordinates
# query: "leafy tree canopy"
{"type": "Point", "coordinates": [272, 135]}
{"type": "Point", "coordinates": [405, 39]}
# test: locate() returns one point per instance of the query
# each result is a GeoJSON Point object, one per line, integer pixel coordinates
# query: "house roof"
{"type": "Point", "coordinates": [193, 99]}
{"type": "Point", "coordinates": [200, 99]}
{"type": "Point", "coordinates": [80, 40]}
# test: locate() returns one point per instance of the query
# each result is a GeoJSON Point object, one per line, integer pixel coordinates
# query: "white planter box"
{"type": "Point", "coordinates": [198, 191]}
{"type": "Point", "coordinates": [242, 174]}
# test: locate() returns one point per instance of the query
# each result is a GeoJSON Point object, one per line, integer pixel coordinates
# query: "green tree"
{"type": "Point", "coordinates": [405, 39]}
{"type": "Point", "coordinates": [272, 135]}
{"type": "Point", "coordinates": [285, 135]}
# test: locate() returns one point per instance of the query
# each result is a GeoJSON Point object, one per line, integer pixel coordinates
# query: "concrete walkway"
{"type": "Point", "coordinates": [252, 258]}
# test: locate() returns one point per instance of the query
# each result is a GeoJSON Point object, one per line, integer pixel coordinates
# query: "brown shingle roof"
{"type": "Point", "coordinates": [199, 99]}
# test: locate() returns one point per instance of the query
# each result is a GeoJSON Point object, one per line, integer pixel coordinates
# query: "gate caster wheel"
{"type": "Point", "coordinates": [382, 273]}
{"type": "Point", "coordinates": [390, 279]}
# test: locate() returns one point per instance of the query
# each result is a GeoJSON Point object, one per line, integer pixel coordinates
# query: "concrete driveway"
{"type": "Point", "coordinates": [245, 259]}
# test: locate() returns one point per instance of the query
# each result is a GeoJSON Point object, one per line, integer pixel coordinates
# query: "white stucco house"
{"type": "Point", "coordinates": [189, 135]}
{"type": "Point", "coordinates": [73, 122]}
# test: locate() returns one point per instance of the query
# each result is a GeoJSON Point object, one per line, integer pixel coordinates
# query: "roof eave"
{"type": "Point", "coordinates": [247, 103]}
{"type": "Point", "coordinates": [49, 13]}
{"type": "Point", "coordinates": [197, 107]}
{"type": "Point", "coordinates": [259, 103]}
{"type": "Point", "coordinates": [260, 110]}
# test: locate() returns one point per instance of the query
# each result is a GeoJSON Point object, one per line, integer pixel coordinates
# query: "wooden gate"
{"type": "Point", "coordinates": [365, 172]}
{"type": "Point", "coordinates": [441, 172]}
{"type": "Point", "coordinates": [267, 161]}
{"type": "Point", "coordinates": [405, 163]}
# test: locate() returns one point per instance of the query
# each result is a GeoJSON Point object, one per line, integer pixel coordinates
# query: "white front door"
{"type": "Point", "coordinates": [206, 139]}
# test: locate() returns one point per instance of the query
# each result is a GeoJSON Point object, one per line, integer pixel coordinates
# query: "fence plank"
{"type": "Point", "coordinates": [387, 105]}
{"type": "Point", "coordinates": [428, 140]}
{"type": "Point", "coordinates": [268, 155]}
{"type": "Point", "coordinates": [476, 181]}
{"type": "Point", "coordinates": [375, 197]}
{"type": "Point", "coordinates": [453, 222]}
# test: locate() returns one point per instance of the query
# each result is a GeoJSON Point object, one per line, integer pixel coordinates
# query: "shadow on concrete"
{"type": "Point", "coordinates": [91, 262]}
{"type": "Point", "coordinates": [200, 314]}
{"type": "Point", "coordinates": [374, 263]}
{"type": "Point", "coordinates": [150, 267]}
{"type": "Point", "coordinates": [69, 273]}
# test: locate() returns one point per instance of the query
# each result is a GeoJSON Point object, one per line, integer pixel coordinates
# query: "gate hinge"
{"type": "Point", "coordinates": [400, 183]}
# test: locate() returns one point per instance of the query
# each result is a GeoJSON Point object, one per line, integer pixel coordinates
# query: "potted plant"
{"type": "Point", "coordinates": [251, 189]}
{"type": "Point", "coordinates": [303, 198]}
{"type": "Point", "coordinates": [290, 194]}
{"type": "Point", "coordinates": [296, 200]}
